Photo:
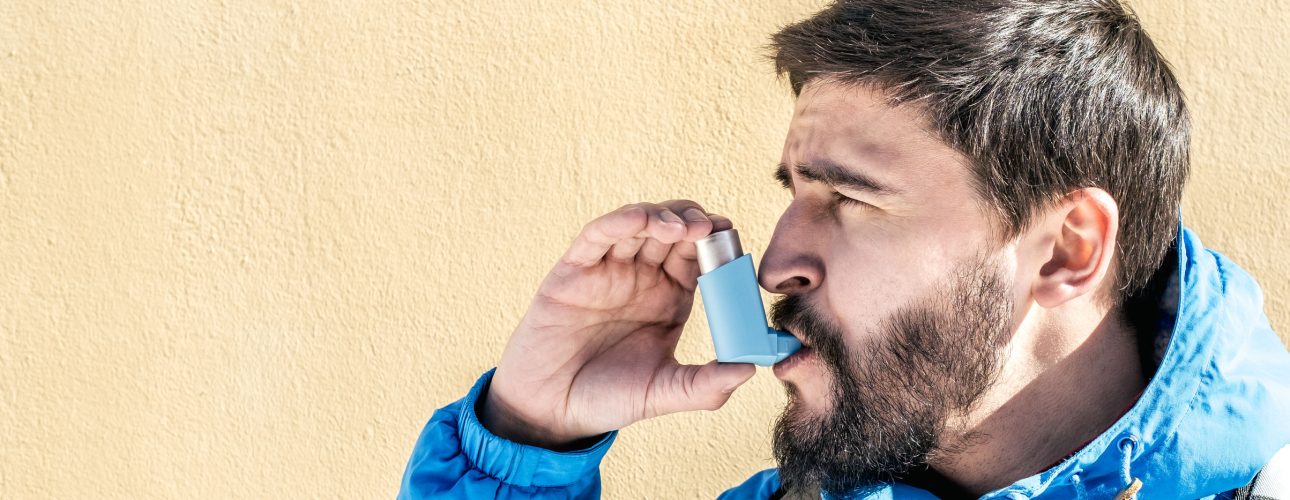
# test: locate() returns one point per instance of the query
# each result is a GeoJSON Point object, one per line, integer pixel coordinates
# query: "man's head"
{"type": "Point", "coordinates": [965, 176]}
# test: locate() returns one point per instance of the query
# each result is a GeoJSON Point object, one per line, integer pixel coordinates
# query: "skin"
{"type": "Point", "coordinates": [594, 351]}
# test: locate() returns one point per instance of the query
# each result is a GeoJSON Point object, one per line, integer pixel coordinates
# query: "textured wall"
{"type": "Point", "coordinates": [247, 247]}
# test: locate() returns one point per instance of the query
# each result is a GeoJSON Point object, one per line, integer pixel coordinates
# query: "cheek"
{"type": "Point", "coordinates": [867, 281]}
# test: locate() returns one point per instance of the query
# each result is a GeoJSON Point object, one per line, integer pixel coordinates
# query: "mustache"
{"type": "Point", "coordinates": [795, 313]}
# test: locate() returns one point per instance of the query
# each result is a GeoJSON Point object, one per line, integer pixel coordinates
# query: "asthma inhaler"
{"type": "Point", "coordinates": [728, 285]}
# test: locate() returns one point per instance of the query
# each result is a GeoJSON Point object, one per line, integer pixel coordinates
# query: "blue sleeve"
{"type": "Point", "coordinates": [456, 457]}
{"type": "Point", "coordinates": [761, 485]}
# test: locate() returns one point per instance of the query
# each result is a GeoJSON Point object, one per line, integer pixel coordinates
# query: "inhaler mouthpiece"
{"type": "Point", "coordinates": [736, 316]}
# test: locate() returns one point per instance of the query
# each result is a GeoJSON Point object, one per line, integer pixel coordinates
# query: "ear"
{"type": "Point", "coordinates": [1082, 231]}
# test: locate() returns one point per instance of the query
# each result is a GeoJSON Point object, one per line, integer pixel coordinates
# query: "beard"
{"type": "Point", "coordinates": [891, 399]}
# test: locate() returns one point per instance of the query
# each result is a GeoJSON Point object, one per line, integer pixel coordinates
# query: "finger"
{"type": "Point", "coordinates": [680, 206]}
{"type": "Point", "coordinates": [697, 226]}
{"type": "Point", "coordinates": [664, 225]}
{"type": "Point", "coordinates": [682, 262]}
{"type": "Point", "coordinates": [663, 228]}
{"type": "Point", "coordinates": [697, 387]}
{"type": "Point", "coordinates": [697, 221]}
{"type": "Point", "coordinates": [636, 221]}
{"type": "Point", "coordinates": [653, 252]}
{"type": "Point", "coordinates": [720, 223]}
{"type": "Point", "coordinates": [625, 250]}
{"type": "Point", "coordinates": [629, 221]}
{"type": "Point", "coordinates": [683, 269]}
{"type": "Point", "coordinates": [599, 235]}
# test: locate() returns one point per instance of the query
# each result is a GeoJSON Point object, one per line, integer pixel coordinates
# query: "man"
{"type": "Point", "coordinates": [983, 256]}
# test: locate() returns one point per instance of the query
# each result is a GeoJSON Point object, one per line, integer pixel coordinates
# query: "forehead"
{"type": "Point", "coordinates": [854, 126]}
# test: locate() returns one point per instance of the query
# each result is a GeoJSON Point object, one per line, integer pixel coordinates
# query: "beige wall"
{"type": "Point", "coordinates": [248, 247]}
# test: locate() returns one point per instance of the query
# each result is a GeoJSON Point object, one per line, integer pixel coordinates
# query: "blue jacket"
{"type": "Point", "coordinates": [1215, 411]}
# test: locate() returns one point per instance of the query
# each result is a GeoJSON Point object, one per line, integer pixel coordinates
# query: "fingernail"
{"type": "Point", "coordinates": [669, 216]}
{"type": "Point", "coordinates": [695, 215]}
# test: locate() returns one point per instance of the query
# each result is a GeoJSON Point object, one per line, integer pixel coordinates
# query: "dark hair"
{"type": "Point", "coordinates": [1043, 96]}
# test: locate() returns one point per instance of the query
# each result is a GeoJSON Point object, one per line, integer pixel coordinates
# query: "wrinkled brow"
{"type": "Point", "coordinates": [834, 174]}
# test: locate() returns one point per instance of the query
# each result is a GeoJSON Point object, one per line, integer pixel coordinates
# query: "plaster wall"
{"type": "Point", "coordinates": [248, 247]}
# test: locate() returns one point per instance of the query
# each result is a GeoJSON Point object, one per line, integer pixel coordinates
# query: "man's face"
{"type": "Point", "coordinates": [895, 279]}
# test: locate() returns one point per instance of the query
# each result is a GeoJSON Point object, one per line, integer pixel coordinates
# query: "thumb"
{"type": "Point", "coordinates": [699, 387]}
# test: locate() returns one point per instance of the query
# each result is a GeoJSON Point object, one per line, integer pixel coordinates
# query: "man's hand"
{"type": "Point", "coordinates": [595, 350]}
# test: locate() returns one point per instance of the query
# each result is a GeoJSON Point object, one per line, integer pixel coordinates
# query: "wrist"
{"type": "Point", "coordinates": [519, 464]}
{"type": "Point", "coordinates": [503, 421]}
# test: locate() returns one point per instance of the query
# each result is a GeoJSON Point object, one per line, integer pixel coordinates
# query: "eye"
{"type": "Point", "coordinates": [843, 200]}
{"type": "Point", "coordinates": [781, 175]}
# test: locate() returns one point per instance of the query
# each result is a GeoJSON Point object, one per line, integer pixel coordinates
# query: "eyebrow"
{"type": "Point", "coordinates": [835, 174]}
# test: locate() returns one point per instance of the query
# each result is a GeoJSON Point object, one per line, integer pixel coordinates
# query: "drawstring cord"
{"type": "Point", "coordinates": [1081, 493]}
{"type": "Point", "coordinates": [1132, 484]}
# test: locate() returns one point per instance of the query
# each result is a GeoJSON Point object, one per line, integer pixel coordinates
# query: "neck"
{"type": "Point", "coordinates": [1059, 389]}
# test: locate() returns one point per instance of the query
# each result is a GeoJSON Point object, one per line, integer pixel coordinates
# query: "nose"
{"type": "Point", "coordinates": [792, 263]}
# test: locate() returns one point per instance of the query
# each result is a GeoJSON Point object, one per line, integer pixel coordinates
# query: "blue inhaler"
{"type": "Point", "coordinates": [728, 285]}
